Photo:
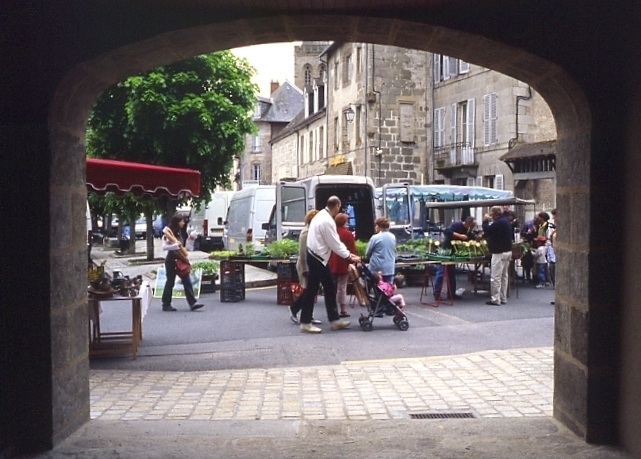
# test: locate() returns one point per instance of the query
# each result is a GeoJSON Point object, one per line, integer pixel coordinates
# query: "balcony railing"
{"type": "Point", "coordinates": [453, 155]}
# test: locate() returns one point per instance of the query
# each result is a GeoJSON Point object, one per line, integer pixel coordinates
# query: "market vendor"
{"type": "Point", "coordinates": [460, 231]}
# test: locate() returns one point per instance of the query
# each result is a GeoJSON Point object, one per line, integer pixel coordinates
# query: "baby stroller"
{"type": "Point", "coordinates": [379, 304]}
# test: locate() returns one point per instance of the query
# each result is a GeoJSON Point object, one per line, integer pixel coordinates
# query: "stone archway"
{"type": "Point", "coordinates": [565, 99]}
{"type": "Point", "coordinates": [585, 375]}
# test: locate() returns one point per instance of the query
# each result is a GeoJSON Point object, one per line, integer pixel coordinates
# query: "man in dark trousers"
{"type": "Point", "coordinates": [322, 240]}
{"type": "Point", "coordinates": [497, 230]}
{"type": "Point", "coordinates": [460, 231]}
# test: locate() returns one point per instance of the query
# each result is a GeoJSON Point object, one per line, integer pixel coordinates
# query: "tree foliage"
{"type": "Point", "coordinates": [194, 113]}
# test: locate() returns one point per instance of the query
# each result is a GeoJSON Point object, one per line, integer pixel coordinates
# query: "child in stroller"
{"type": "Point", "coordinates": [380, 303]}
{"type": "Point", "coordinates": [389, 290]}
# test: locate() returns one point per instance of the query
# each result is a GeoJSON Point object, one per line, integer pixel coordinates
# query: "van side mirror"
{"type": "Point", "coordinates": [220, 220]}
{"type": "Point", "coordinates": [265, 226]}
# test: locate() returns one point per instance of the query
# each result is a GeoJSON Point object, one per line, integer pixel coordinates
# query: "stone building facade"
{"type": "Point", "coordinates": [417, 117]}
{"type": "Point", "coordinates": [479, 117]}
{"type": "Point", "coordinates": [271, 115]}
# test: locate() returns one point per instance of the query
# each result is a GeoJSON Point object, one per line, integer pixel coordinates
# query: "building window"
{"type": "Point", "coordinates": [321, 142]}
{"type": "Point", "coordinates": [347, 69]}
{"type": "Point", "coordinates": [256, 144]}
{"type": "Point", "coordinates": [358, 121]}
{"type": "Point", "coordinates": [303, 146]}
{"type": "Point", "coordinates": [345, 133]}
{"type": "Point", "coordinates": [446, 67]}
{"type": "Point", "coordinates": [310, 145]}
{"type": "Point", "coordinates": [336, 75]}
{"type": "Point", "coordinates": [439, 129]}
{"type": "Point", "coordinates": [322, 72]}
{"type": "Point", "coordinates": [307, 70]}
{"type": "Point", "coordinates": [359, 60]}
{"type": "Point", "coordinates": [462, 133]}
{"type": "Point", "coordinates": [466, 110]}
{"type": "Point", "coordinates": [336, 136]}
{"type": "Point", "coordinates": [256, 172]}
{"type": "Point", "coordinates": [490, 135]}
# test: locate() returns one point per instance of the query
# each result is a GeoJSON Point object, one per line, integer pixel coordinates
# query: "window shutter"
{"type": "Point", "coordinates": [470, 123]}
{"type": "Point", "coordinates": [438, 127]}
{"type": "Point", "coordinates": [453, 116]}
{"type": "Point", "coordinates": [463, 67]}
{"type": "Point", "coordinates": [486, 119]}
{"type": "Point", "coordinates": [470, 181]}
{"type": "Point", "coordinates": [493, 120]}
{"type": "Point", "coordinates": [479, 180]}
{"type": "Point", "coordinates": [453, 66]}
{"type": "Point", "coordinates": [446, 68]}
{"type": "Point", "coordinates": [498, 182]}
{"type": "Point", "coordinates": [437, 68]}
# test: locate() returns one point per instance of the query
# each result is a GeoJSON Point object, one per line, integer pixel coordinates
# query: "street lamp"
{"type": "Point", "coordinates": [349, 114]}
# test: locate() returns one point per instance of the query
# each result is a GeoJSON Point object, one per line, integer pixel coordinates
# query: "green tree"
{"type": "Point", "coordinates": [194, 113]}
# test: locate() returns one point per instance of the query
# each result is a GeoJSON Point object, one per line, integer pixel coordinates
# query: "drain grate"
{"type": "Point", "coordinates": [442, 416]}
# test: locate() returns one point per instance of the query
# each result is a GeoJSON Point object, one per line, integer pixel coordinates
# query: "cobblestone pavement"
{"type": "Point", "coordinates": [513, 383]}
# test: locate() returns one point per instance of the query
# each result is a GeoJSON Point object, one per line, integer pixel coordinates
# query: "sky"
{"type": "Point", "coordinates": [273, 61]}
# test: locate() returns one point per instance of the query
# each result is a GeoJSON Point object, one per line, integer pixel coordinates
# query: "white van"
{"type": "Point", "coordinates": [248, 210]}
{"type": "Point", "coordinates": [211, 217]}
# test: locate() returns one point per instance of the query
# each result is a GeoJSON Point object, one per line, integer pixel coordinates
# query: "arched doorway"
{"type": "Point", "coordinates": [583, 398]}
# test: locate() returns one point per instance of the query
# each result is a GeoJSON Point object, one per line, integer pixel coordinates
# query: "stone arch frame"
{"type": "Point", "coordinates": [575, 404]}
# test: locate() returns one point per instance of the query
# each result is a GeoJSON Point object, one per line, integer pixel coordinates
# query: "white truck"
{"type": "Point", "coordinates": [295, 199]}
{"type": "Point", "coordinates": [249, 208]}
{"type": "Point", "coordinates": [211, 219]}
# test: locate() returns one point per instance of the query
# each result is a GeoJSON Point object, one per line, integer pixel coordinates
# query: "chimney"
{"type": "Point", "coordinates": [273, 86]}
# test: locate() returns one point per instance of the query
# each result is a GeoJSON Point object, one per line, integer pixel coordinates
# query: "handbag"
{"type": "Point", "coordinates": [183, 267]}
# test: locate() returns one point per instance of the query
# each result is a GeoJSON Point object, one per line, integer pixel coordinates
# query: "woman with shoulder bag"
{"type": "Point", "coordinates": [176, 254]}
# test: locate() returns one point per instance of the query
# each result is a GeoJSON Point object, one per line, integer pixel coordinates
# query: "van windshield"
{"type": "Point", "coordinates": [293, 204]}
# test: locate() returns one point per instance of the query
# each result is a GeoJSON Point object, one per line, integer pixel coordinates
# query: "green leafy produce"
{"type": "Point", "coordinates": [209, 267]}
{"type": "Point", "coordinates": [361, 248]}
{"type": "Point", "coordinates": [284, 248]}
{"type": "Point", "coordinates": [221, 254]}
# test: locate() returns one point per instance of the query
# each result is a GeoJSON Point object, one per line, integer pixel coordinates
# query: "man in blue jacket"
{"type": "Point", "coordinates": [497, 231]}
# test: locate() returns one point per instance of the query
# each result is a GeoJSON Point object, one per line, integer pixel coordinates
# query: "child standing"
{"type": "Point", "coordinates": [540, 259]}
{"type": "Point", "coordinates": [390, 291]}
{"type": "Point", "coordinates": [551, 256]}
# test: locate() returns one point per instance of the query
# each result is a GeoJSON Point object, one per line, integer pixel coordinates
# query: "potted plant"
{"type": "Point", "coordinates": [282, 249]}
{"type": "Point", "coordinates": [209, 274]}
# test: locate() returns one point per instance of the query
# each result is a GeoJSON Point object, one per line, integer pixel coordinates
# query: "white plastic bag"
{"type": "Point", "coordinates": [191, 239]}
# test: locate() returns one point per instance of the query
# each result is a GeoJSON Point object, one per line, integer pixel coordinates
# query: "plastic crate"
{"type": "Point", "coordinates": [232, 275]}
{"type": "Point", "coordinates": [234, 282]}
{"type": "Point", "coordinates": [286, 271]}
{"type": "Point", "coordinates": [231, 268]}
{"type": "Point", "coordinates": [285, 292]}
{"type": "Point", "coordinates": [231, 295]}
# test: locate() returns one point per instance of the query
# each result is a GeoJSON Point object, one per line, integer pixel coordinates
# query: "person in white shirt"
{"type": "Point", "coordinates": [322, 240]}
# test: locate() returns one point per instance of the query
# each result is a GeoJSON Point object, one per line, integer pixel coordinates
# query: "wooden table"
{"type": "Point", "coordinates": [116, 342]}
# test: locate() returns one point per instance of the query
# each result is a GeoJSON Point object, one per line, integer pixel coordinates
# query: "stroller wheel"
{"type": "Point", "coordinates": [366, 325]}
{"type": "Point", "coordinates": [403, 325]}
